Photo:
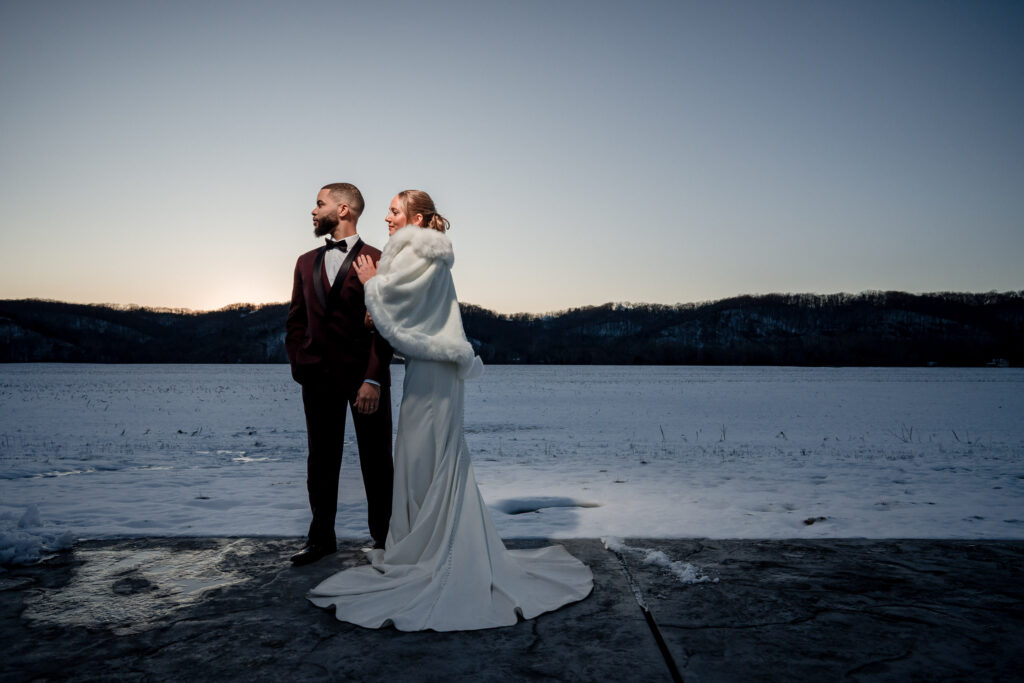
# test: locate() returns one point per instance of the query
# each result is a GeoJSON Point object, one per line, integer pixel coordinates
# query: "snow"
{"type": "Point", "coordinates": [131, 590]}
{"type": "Point", "coordinates": [685, 572]}
{"type": "Point", "coordinates": [27, 540]}
{"type": "Point", "coordinates": [559, 451]}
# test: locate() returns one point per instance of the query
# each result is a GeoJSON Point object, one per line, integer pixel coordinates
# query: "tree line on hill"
{"type": "Point", "coordinates": [871, 328]}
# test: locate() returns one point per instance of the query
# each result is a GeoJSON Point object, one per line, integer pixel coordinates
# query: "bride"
{"type": "Point", "coordinates": [443, 567]}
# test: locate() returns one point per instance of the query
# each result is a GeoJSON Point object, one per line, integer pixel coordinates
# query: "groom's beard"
{"type": "Point", "coordinates": [325, 225]}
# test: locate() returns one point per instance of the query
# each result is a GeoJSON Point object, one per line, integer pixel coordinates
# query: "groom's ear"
{"type": "Point", "coordinates": [343, 210]}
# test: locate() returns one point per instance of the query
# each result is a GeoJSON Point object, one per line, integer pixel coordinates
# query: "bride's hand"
{"type": "Point", "coordinates": [365, 268]}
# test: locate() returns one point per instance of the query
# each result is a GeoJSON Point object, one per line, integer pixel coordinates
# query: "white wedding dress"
{"type": "Point", "coordinates": [444, 566]}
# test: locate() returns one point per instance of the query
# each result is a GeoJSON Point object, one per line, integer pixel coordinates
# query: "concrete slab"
{"type": "Point", "coordinates": [840, 609]}
{"type": "Point", "coordinates": [205, 609]}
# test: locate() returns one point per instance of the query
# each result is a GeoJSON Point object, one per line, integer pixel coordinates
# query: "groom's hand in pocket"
{"type": "Point", "coordinates": [368, 398]}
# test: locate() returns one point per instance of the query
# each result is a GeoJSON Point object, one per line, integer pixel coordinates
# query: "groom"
{"type": "Point", "coordinates": [338, 359]}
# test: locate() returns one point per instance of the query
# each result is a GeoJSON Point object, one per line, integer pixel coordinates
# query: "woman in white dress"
{"type": "Point", "coordinates": [443, 567]}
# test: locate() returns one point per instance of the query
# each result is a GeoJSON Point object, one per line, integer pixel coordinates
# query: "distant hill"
{"type": "Point", "coordinates": [872, 328]}
{"type": "Point", "coordinates": [33, 330]}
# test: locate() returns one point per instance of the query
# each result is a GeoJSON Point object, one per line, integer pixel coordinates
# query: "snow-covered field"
{"type": "Point", "coordinates": [90, 451]}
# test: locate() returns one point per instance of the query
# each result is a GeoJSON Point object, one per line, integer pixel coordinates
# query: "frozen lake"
{"type": "Point", "coordinates": [723, 452]}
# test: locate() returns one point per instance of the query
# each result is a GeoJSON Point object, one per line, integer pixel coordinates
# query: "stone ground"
{"type": "Point", "coordinates": [233, 608]}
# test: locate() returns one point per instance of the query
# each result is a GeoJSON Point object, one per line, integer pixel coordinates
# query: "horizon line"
{"type": "Point", "coordinates": [623, 304]}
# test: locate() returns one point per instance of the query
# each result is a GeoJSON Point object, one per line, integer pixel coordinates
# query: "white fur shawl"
{"type": "Point", "coordinates": [412, 300]}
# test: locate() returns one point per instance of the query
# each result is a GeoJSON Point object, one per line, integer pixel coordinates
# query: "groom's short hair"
{"type": "Point", "coordinates": [347, 193]}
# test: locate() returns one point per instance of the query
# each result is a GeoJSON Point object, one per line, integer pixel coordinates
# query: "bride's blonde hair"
{"type": "Point", "coordinates": [419, 202]}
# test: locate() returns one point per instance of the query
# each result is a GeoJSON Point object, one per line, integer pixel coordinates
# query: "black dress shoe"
{"type": "Point", "coordinates": [378, 545]}
{"type": "Point", "coordinates": [311, 553]}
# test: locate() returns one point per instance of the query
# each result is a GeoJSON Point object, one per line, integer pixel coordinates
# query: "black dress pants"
{"type": "Point", "coordinates": [325, 403]}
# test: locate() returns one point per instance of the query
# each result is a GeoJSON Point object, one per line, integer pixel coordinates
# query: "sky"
{"type": "Point", "coordinates": [169, 154]}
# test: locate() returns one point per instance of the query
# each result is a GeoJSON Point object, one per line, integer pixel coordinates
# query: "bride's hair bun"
{"type": "Point", "coordinates": [439, 223]}
{"type": "Point", "coordinates": [419, 202]}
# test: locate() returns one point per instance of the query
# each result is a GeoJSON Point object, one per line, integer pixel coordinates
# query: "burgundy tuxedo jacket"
{"type": "Point", "coordinates": [326, 335]}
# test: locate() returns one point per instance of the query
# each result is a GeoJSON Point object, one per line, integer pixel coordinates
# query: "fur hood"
{"type": "Point", "coordinates": [413, 303]}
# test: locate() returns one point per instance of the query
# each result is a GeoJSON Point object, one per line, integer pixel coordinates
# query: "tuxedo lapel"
{"type": "Point", "coordinates": [318, 277]}
{"type": "Point", "coordinates": [339, 279]}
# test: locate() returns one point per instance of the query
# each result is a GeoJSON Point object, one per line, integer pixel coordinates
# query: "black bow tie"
{"type": "Point", "coordinates": [341, 246]}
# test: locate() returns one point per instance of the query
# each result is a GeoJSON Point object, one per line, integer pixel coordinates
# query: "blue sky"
{"type": "Point", "coordinates": [169, 153]}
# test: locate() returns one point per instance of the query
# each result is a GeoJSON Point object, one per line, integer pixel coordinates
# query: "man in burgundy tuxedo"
{"type": "Point", "coordinates": [338, 359]}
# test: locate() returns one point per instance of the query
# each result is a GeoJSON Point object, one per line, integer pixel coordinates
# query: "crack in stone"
{"type": "Point", "coordinates": [1011, 609]}
{"type": "Point", "coordinates": [210, 617]}
{"type": "Point", "coordinates": [276, 577]}
{"type": "Point", "coordinates": [883, 660]}
{"type": "Point", "coordinates": [157, 648]}
{"type": "Point", "coordinates": [800, 620]}
{"type": "Point", "coordinates": [319, 666]}
{"type": "Point", "coordinates": [536, 637]}
{"type": "Point", "coordinates": [320, 641]}
{"type": "Point", "coordinates": [912, 569]}
{"type": "Point", "coordinates": [923, 608]}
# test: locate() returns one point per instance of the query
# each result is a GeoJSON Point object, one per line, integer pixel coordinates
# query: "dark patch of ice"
{"type": "Point", "coordinates": [519, 506]}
